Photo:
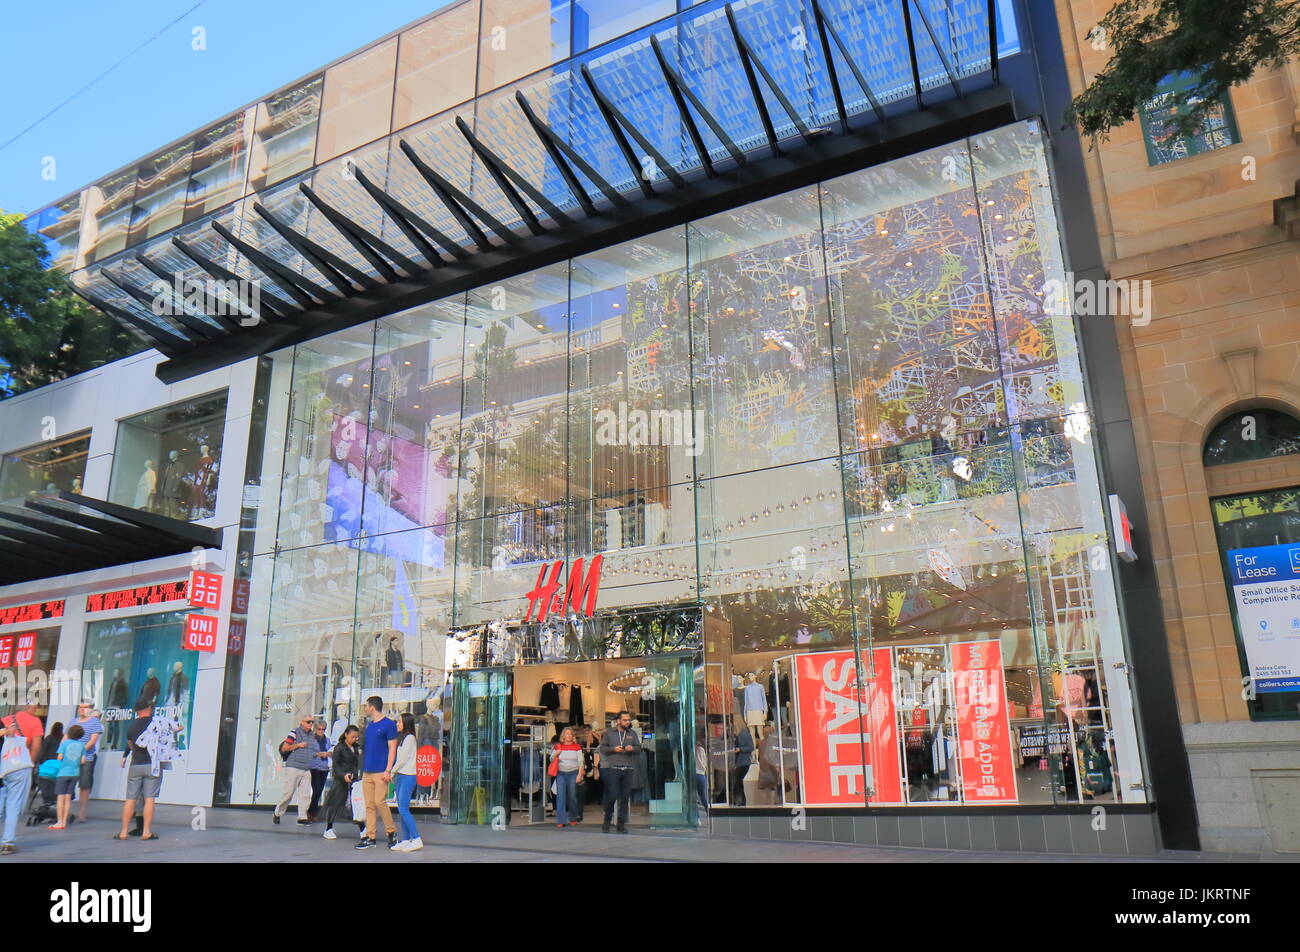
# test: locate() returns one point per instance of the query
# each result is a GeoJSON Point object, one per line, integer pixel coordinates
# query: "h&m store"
{"type": "Point", "coordinates": [709, 377]}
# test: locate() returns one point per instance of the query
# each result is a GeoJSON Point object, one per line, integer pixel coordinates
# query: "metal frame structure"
{"type": "Point", "coordinates": [296, 307]}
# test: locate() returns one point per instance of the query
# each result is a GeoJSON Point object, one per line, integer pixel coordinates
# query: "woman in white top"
{"type": "Point", "coordinates": [404, 778]}
{"type": "Point", "coordinates": [567, 754]}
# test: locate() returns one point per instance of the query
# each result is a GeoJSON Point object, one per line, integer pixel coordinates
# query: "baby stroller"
{"type": "Point", "coordinates": [42, 806]}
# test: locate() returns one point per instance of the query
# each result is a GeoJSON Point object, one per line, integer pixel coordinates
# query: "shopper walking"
{"type": "Point", "coordinates": [88, 720]}
{"type": "Point", "coordinates": [742, 746]}
{"type": "Point", "coordinates": [620, 749]}
{"type": "Point", "coordinates": [377, 756]}
{"type": "Point", "coordinates": [16, 778]}
{"type": "Point", "coordinates": [569, 772]}
{"type": "Point", "coordinates": [346, 771]}
{"type": "Point", "coordinates": [320, 769]}
{"type": "Point", "coordinates": [141, 781]}
{"type": "Point", "coordinates": [30, 727]}
{"type": "Point", "coordinates": [404, 777]}
{"type": "Point", "coordinates": [299, 752]}
{"type": "Point", "coordinates": [70, 753]}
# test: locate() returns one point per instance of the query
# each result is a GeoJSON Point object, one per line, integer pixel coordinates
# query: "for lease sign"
{"type": "Point", "coordinates": [1266, 589]}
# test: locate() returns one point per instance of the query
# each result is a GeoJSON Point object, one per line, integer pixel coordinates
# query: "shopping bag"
{"type": "Point", "coordinates": [14, 756]}
{"type": "Point", "coordinates": [358, 798]}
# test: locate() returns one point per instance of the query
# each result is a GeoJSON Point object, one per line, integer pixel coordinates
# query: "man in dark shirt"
{"type": "Point", "coordinates": [140, 781]}
{"type": "Point", "coordinates": [620, 750]}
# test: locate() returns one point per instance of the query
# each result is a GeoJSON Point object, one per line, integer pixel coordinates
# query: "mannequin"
{"type": "Point", "coordinates": [76, 485]}
{"type": "Point", "coordinates": [172, 488]}
{"type": "Point", "coordinates": [146, 487]}
{"type": "Point", "coordinates": [205, 483]}
{"type": "Point", "coordinates": [755, 698]}
{"type": "Point", "coordinates": [178, 686]}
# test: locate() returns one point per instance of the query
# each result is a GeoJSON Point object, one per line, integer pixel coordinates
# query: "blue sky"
{"type": "Point", "coordinates": [164, 90]}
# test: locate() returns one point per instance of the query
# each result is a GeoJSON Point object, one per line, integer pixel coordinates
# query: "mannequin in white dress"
{"type": "Point", "coordinates": [147, 486]}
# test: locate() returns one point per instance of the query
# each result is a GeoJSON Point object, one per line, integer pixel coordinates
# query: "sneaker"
{"type": "Point", "coordinates": [561, 825]}
{"type": "Point", "coordinates": [275, 818]}
{"type": "Point", "coordinates": [392, 840]}
{"type": "Point", "coordinates": [365, 844]}
{"type": "Point", "coordinates": [400, 847]}
{"type": "Point", "coordinates": [304, 822]}
{"type": "Point", "coordinates": [8, 848]}
{"type": "Point", "coordinates": [415, 844]}
{"type": "Point", "coordinates": [604, 828]}
{"type": "Point", "coordinates": [573, 823]}
{"type": "Point", "coordinates": [622, 829]}
{"type": "Point", "coordinates": [330, 835]}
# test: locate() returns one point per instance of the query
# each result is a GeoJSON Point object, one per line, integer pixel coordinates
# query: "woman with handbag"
{"type": "Point", "coordinates": [345, 772]}
{"type": "Point", "coordinates": [16, 779]}
{"type": "Point", "coordinates": [567, 768]}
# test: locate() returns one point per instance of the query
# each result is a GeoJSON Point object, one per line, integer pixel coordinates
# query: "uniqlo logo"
{"type": "Point", "coordinates": [6, 651]}
{"type": "Point", "coordinates": [239, 598]}
{"type": "Point", "coordinates": [200, 633]}
{"type": "Point", "coordinates": [205, 589]}
{"type": "Point", "coordinates": [26, 650]}
{"type": "Point", "coordinates": [235, 635]}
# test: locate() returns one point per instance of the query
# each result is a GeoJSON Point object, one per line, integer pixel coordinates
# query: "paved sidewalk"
{"type": "Point", "coordinates": [248, 836]}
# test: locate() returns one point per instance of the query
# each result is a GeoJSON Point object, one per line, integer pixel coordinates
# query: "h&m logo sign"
{"type": "Point", "coordinates": [579, 594]}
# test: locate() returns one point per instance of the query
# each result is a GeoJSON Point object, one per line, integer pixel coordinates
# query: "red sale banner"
{"type": "Point", "coordinates": [200, 633]}
{"type": "Point", "coordinates": [428, 765]}
{"type": "Point", "coordinates": [6, 651]}
{"type": "Point", "coordinates": [844, 737]}
{"type": "Point", "coordinates": [988, 773]}
{"type": "Point", "coordinates": [205, 590]}
{"type": "Point", "coordinates": [26, 650]}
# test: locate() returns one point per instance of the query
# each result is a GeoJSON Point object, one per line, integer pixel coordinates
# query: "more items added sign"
{"type": "Point", "coordinates": [135, 597]}
{"type": "Point", "coordinates": [37, 611]}
{"type": "Point", "coordinates": [988, 770]}
{"type": "Point", "coordinates": [200, 632]}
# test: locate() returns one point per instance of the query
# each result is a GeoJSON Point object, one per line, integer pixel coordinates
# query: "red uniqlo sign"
{"type": "Point", "coordinates": [239, 598]}
{"type": "Point", "coordinates": [6, 651]}
{"type": "Point", "coordinates": [205, 590]}
{"type": "Point", "coordinates": [844, 735]}
{"type": "Point", "coordinates": [26, 650]}
{"type": "Point", "coordinates": [988, 772]}
{"type": "Point", "coordinates": [200, 633]}
{"type": "Point", "coordinates": [236, 631]}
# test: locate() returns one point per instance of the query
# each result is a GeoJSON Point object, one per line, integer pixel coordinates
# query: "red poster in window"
{"type": "Point", "coordinates": [842, 739]}
{"type": "Point", "coordinates": [205, 590]}
{"type": "Point", "coordinates": [428, 765]}
{"type": "Point", "coordinates": [236, 631]}
{"type": "Point", "coordinates": [6, 651]}
{"type": "Point", "coordinates": [239, 596]}
{"type": "Point", "coordinates": [988, 773]}
{"type": "Point", "coordinates": [26, 652]}
{"type": "Point", "coordinates": [200, 633]}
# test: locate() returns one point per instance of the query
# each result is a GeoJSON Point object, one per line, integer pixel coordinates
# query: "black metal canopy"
{"type": "Point", "coordinates": [59, 535]}
{"type": "Point", "coordinates": [295, 306]}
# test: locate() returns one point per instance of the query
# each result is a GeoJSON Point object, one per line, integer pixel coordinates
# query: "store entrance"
{"type": "Point", "coordinates": [506, 720]}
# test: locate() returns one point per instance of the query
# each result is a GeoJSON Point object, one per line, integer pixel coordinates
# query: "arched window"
{"type": "Point", "coordinates": [1258, 433]}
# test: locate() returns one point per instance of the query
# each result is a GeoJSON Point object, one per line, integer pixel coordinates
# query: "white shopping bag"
{"type": "Point", "coordinates": [358, 803]}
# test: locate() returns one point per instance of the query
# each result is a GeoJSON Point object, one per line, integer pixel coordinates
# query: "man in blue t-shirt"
{"type": "Point", "coordinates": [379, 751]}
{"type": "Point", "coordinates": [89, 720]}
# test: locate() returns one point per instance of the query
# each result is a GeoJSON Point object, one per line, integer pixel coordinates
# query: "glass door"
{"type": "Point", "coordinates": [479, 738]}
{"type": "Point", "coordinates": [669, 691]}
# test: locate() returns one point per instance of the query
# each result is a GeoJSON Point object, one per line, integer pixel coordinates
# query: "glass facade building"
{"type": "Point", "coordinates": [833, 444]}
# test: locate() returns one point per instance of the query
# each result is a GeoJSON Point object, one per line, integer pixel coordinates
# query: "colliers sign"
{"type": "Point", "coordinates": [580, 588]}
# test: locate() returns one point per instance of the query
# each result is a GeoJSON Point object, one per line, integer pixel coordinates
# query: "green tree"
{"type": "Point", "coordinates": [1220, 43]}
{"type": "Point", "coordinates": [46, 331]}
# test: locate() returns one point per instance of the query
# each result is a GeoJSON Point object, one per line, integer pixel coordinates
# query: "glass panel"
{"type": "Point", "coordinates": [168, 460]}
{"type": "Point", "coordinates": [1259, 538]}
{"type": "Point", "coordinates": [46, 468]}
{"type": "Point", "coordinates": [219, 166]}
{"type": "Point", "coordinates": [284, 135]}
{"type": "Point", "coordinates": [160, 192]}
{"type": "Point", "coordinates": [1257, 433]}
{"type": "Point", "coordinates": [324, 467]}
{"type": "Point", "coordinates": [108, 203]}
{"type": "Point", "coordinates": [760, 324]}
{"type": "Point", "coordinates": [598, 21]}
{"type": "Point", "coordinates": [140, 661]}
{"type": "Point", "coordinates": [59, 226]}
{"type": "Point", "coordinates": [514, 422]}
{"type": "Point", "coordinates": [436, 64]}
{"type": "Point", "coordinates": [357, 103]}
{"type": "Point", "coordinates": [43, 645]}
{"type": "Point", "coordinates": [668, 697]}
{"type": "Point", "coordinates": [518, 37]}
{"type": "Point", "coordinates": [480, 746]}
